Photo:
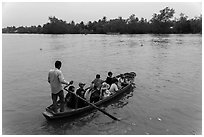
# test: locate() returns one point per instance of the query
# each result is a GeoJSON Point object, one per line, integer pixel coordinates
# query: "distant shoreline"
{"type": "Point", "coordinates": [159, 24]}
{"type": "Point", "coordinates": [104, 34]}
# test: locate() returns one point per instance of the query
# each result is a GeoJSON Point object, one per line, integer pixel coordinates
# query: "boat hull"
{"type": "Point", "coordinates": [49, 114]}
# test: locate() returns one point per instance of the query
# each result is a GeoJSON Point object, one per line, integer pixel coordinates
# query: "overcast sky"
{"type": "Point", "coordinates": [37, 13]}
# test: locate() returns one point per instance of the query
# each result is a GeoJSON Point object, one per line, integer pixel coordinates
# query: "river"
{"type": "Point", "coordinates": [167, 99]}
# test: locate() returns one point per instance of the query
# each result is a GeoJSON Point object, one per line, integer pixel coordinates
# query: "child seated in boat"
{"type": "Point", "coordinates": [104, 92]}
{"type": "Point", "coordinates": [81, 92]}
{"type": "Point", "coordinates": [109, 78]}
{"type": "Point", "coordinates": [107, 93]}
{"type": "Point", "coordinates": [87, 94]}
{"type": "Point", "coordinates": [70, 98]}
{"type": "Point", "coordinates": [121, 81]}
{"type": "Point", "coordinates": [127, 81]}
{"type": "Point", "coordinates": [114, 86]}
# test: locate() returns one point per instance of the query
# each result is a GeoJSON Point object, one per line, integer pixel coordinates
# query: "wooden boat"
{"type": "Point", "coordinates": [68, 112]}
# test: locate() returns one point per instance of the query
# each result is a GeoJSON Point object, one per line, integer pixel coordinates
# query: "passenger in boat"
{"type": "Point", "coordinates": [121, 82]}
{"type": "Point", "coordinates": [107, 93]}
{"type": "Point", "coordinates": [109, 78]}
{"type": "Point", "coordinates": [81, 92]}
{"type": "Point", "coordinates": [56, 79]}
{"type": "Point", "coordinates": [127, 81]}
{"type": "Point", "coordinates": [95, 96]}
{"type": "Point", "coordinates": [95, 89]}
{"type": "Point", "coordinates": [114, 87]}
{"type": "Point", "coordinates": [104, 92]}
{"type": "Point", "coordinates": [97, 82]}
{"type": "Point", "coordinates": [71, 99]}
{"type": "Point", "coordinates": [87, 94]}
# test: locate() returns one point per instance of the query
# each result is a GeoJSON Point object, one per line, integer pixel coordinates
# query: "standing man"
{"type": "Point", "coordinates": [56, 79]}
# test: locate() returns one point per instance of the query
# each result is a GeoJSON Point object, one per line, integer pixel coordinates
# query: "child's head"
{"type": "Point", "coordinates": [104, 84]}
{"type": "Point", "coordinates": [98, 76]}
{"type": "Point", "coordinates": [71, 88]}
{"type": "Point", "coordinates": [122, 76]}
{"type": "Point", "coordinates": [110, 74]}
{"type": "Point", "coordinates": [81, 85]}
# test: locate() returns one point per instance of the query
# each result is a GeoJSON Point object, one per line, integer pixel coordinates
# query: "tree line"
{"type": "Point", "coordinates": [161, 23]}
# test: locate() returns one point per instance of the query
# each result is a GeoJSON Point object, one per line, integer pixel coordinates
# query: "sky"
{"type": "Point", "coordinates": [37, 13]}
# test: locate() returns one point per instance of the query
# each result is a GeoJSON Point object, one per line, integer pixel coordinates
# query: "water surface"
{"type": "Point", "coordinates": [167, 98]}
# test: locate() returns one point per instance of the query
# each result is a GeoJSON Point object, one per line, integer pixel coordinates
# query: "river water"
{"type": "Point", "coordinates": [167, 98]}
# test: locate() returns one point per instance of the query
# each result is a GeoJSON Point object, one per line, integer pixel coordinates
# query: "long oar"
{"type": "Point", "coordinates": [94, 105]}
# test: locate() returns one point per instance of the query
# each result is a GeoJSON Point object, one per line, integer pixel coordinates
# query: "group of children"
{"type": "Point", "coordinates": [99, 89]}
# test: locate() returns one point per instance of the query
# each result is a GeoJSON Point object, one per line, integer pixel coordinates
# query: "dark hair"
{"type": "Point", "coordinates": [110, 73]}
{"type": "Point", "coordinates": [122, 76]}
{"type": "Point", "coordinates": [98, 76]}
{"type": "Point", "coordinates": [71, 88]}
{"type": "Point", "coordinates": [58, 64]}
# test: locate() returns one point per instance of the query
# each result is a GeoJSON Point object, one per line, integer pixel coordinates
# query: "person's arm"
{"type": "Point", "coordinates": [62, 80]}
{"type": "Point", "coordinates": [68, 97]}
{"type": "Point", "coordinates": [77, 92]}
{"type": "Point", "coordinates": [108, 86]}
{"type": "Point", "coordinates": [121, 80]}
{"type": "Point", "coordinates": [116, 87]}
{"type": "Point", "coordinates": [92, 83]}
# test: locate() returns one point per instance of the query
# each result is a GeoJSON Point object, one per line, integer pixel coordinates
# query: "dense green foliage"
{"type": "Point", "coordinates": [160, 23]}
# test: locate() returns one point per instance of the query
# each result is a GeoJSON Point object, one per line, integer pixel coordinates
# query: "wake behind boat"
{"type": "Point", "coordinates": [69, 112]}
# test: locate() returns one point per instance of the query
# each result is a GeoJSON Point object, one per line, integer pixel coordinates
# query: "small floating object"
{"type": "Point", "coordinates": [40, 48]}
{"type": "Point", "coordinates": [159, 119]}
{"type": "Point", "coordinates": [134, 124]}
{"type": "Point", "coordinates": [141, 45]}
{"type": "Point", "coordinates": [146, 133]}
{"type": "Point", "coordinates": [193, 132]}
